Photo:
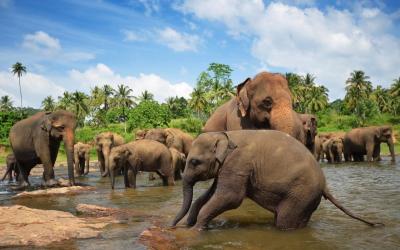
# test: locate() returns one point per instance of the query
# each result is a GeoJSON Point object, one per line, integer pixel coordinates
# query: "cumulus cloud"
{"type": "Point", "coordinates": [130, 36]}
{"type": "Point", "coordinates": [47, 47]}
{"type": "Point", "coordinates": [329, 43]}
{"type": "Point", "coordinates": [101, 74]}
{"type": "Point", "coordinates": [178, 41]}
{"type": "Point", "coordinates": [35, 88]}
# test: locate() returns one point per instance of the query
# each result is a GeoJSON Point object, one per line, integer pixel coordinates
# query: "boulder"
{"type": "Point", "coordinates": [54, 191]}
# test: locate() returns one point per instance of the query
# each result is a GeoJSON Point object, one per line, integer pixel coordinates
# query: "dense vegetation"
{"type": "Point", "coordinates": [106, 108]}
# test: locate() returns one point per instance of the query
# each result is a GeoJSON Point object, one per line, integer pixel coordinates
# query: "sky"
{"type": "Point", "coordinates": [162, 46]}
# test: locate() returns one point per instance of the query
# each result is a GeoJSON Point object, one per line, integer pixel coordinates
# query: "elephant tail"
{"type": "Point", "coordinates": [328, 196]}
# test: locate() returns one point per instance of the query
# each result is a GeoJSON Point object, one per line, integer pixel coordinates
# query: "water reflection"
{"type": "Point", "coordinates": [368, 189]}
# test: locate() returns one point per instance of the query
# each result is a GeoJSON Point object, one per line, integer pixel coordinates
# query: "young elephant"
{"type": "Point", "coordinates": [310, 130]}
{"type": "Point", "coordinates": [367, 141]}
{"type": "Point", "coordinates": [269, 167]}
{"type": "Point", "coordinates": [81, 158]}
{"type": "Point", "coordinates": [11, 163]}
{"type": "Point", "coordinates": [178, 162]}
{"type": "Point", "coordinates": [333, 149]}
{"type": "Point", "coordinates": [104, 143]}
{"type": "Point", "coordinates": [141, 155]}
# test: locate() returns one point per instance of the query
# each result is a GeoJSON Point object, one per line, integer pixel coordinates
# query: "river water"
{"type": "Point", "coordinates": [371, 190]}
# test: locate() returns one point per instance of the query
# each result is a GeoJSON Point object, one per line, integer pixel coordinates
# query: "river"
{"type": "Point", "coordinates": [371, 190]}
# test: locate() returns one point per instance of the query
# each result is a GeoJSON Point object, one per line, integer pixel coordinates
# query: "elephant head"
{"type": "Point", "coordinates": [385, 134]}
{"type": "Point", "coordinates": [60, 125]}
{"type": "Point", "coordinates": [141, 134]}
{"type": "Point", "coordinates": [309, 127]}
{"type": "Point", "coordinates": [157, 134]}
{"type": "Point", "coordinates": [337, 146]}
{"type": "Point", "coordinates": [205, 158]}
{"type": "Point", "coordinates": [117, 159]}
{"type": "Point", "coordinates": [267, 101]}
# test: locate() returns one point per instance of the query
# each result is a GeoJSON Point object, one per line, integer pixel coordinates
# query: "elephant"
{"type": "Point", "coordinates": [178, 163]}
{"type": "Point", "coordinates": [36, 140]}
{"type": "Point", "coordinates": [140, 134]}
{"type": "Point", "coordinates": [172, 138]}
{"type": "Point", "coordinates": [264, 102]}
{"type": "Point", "coordinates": [141, 155]}
{"type": "Point", "coordinates": [333, 149]}
{"type": "Point", "coordinates": [11, 166]}
{"type": "Point", "coordinates": [81, 158]}
{"type": "Point", "coordinates": [318, 147]}
{"type": "Point", "coordinates": [310, 130]}
{"type": "Point", "coordinates": [269, 167]}
{"type": "Point", "coordinates": [104, 143]}
{"type": "Point", "coordinates": [366, 141]}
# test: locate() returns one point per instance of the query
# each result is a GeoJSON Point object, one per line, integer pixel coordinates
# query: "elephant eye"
{"type": "Point", "coordinates": [195, 162]}
{"type": "Point", "coordinates": [267, 103]}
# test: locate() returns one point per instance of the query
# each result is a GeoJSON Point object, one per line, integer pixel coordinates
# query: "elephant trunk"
{"type": "Point", "coordinates": [391, 148]}
{"type": "Point", "coordinates": [187, 201]}
{"type": "Point", "coordinates": [282, 119]}
{"type": "Point", "coordinates": [106, 154]}
{"type": "Point", "coordinates": [69, 149]}
{"type": "Point", "coordinates": [112, 177]}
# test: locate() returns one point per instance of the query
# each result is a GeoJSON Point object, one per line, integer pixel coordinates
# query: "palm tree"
{"type": "Point", "coordinates": [19, 69]}
{"type": "Point", "coordinates": [124, 99]}
{"type": "Point", "coordinates": [5, 103]}
{"type": "Point", "coordinates": [309, 79]}
{"type": "Point", "coordinates": [48, 104]}
{"type": "Point", "coordinates": [317, 99]}
{"type": "Point", "coordinates": [198, 101]}
{"type": "Point", "coordinates": [382, 98]}
{"type": "Point", "coordinates": [65, 101]}
{"type": "Point", "coordinates": [395, 88]}
{"type": "Point", "coordinates": [107, 92]}
{"type": "Point", "coordinates": [80, 108]}
{"type": "Point", "coordinates": [358, 88]}
{"type": "Point", "coordinates": [145, 96]}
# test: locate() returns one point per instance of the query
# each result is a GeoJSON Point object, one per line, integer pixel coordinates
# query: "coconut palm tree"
{"type": "Point", "coordinates": [317, 99]}
{"type": "Point", "coordinates": [395, 88]}
{"type": "Point", "coordinates": [124, 100]}
{"type": "Point", "coordinates": [382, 98]}
{"type": "Point", "coordinates": [198, 101]}
{"type": "Point", "coordinates": [48, 104]}
{"type": "Point", "coordinates": [65, 101]}
{"type": "Point", "coordinates": [108, 91]}
{"type": "Point", "coordinates": [358, 87]}
{"type": "Point", "coordinates": [309, 79]}
{"type": "Point", "coordinates": [19, 69]}
{"type": "Point", "coordinates": [145, 96]}
{"type": "Point", "coordinates": [79, 105]}
{"type": "Point", "coordinates": [5, 103]}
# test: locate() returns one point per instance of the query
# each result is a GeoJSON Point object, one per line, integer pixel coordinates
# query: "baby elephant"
{"type": "Point", "coordinates": [269, 167]}
{"type": "Point", "coordinates": [141, 155]}
{"type": "Point", "coordinates": [178, 162]}
{"type": "Point", "coordinates": [11, 163]}
{"type": "Point", "coordinates": [333, 149]}
{"type": "Point", "coordinates": [81, 158]}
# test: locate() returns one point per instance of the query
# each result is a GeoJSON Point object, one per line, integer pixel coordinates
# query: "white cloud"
{"type": "Point", "coordinates": [101, 74]}
{"type": "Point", "coordinates": [35, 88]}
{"type": "Point", "coordinates": [133, 36]}
{"type": "Point", "coordinates": [178, 41]}
{"type": "Point", "coordinates": [329, 44]}
{"type": "Point", "coordinates": [150, 6]}
{"type": "Point", "coordinates": [46, 47]}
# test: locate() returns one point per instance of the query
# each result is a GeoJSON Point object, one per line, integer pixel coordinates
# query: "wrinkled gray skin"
{"type": "Point", "coordinates": [367, 141]}
{"type": "Point", "coordinates": [81, 158]}
{"type": "Point", "coordinates": [333, 149]}
{"type": "Point", "coordinates": [11, 167]}
{"type": "Point", "coordinates": [264, 102]}
{"type": "Point", "coordinates": [269, 167]}
{"type": "Point", "coordinates": [104, 143]}
{"type": "Point", "coordinates": [178, 163]}
{"type": "Point", "coordinates": [310, 130]}
{"type": "Point", "coordinates": [141, 155]}
{"type": "Point", "coordinates": [36, 140]}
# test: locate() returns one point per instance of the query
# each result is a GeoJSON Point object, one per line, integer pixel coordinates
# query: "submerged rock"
{"type": "Point", "coordinates": [54, 191]}
{"type": "Point", "coordinates": [116, 213]}
{"type": "Point", "coordinates": [20, 225]}
{"type": "Point", "coordinates": [157, 238]}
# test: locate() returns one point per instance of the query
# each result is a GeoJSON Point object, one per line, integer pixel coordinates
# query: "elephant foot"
{"type": "Point", "coordinates": [105, 174]}
{"type": "Point", "coordinates": [50, 183]}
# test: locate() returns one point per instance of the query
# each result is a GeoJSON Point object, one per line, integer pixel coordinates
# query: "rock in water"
{"type": "Point", "coordinates": [21, 226]}
{"type": "Point", "coordinates": [54, 191]}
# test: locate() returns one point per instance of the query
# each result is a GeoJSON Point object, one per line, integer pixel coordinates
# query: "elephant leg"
{"type": "Point", "coordinates": [199, 203]}
{"type": "Point", "coordinates": [370, 151]}
{"type": "Point", "coordinates": [377, 153]}
{"type": "Point", "coordinates": [48, 173]}
{"type": "Point", "coordinates": [132, 177]}
{"type": "Point", "coordinates": [101, 160]}
{"type": "Point", "coordinates": [87, 160]}
{"type": "Point", "coordinates": [23, 177]}
{"type": "Point", "coordinates": [77, 163]}
{"type": "Point", "coordinates": [126, 180]}
{"type": "Point", "coordinates": [228, 195]}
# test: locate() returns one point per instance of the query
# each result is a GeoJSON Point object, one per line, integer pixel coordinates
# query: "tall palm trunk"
{"type": "Point", "coordinates": [20, 91]}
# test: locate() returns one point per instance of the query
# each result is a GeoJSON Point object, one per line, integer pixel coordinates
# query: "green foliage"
{"type": "Point", "coordinates": [7, 120]}
{"type": "Point", "coordinates": [178, 106]}
{"type": "Point", "coordinates": [191, 125]}
{"type": "Point", "coordinates": [149, 114]}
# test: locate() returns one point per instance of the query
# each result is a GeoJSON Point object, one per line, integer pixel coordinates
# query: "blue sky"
{"type": "Point", "coordinates": [162, 46]}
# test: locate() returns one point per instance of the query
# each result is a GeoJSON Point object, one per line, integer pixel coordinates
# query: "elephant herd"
{"type": "Point", "coordinates": [255, 145]}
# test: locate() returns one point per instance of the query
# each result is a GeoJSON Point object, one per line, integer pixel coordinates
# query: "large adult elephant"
{"type": "Point", "coordinates": [367, 141]}
{"type": "Point", "coordinates": [269, 167]}
{"type": "Point", "coordinates": [172, 138]}
{"type": "Point", "coordinates": [36, 140]}
{"type": "Point", "coordinates": [310, 130]}
{"type": "Point", "coordinates": [104, 143]}
{"type": "Point", "coordinates": [263, 102]}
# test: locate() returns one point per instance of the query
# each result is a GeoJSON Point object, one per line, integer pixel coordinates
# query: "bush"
{"type": "Point", "coordinates": [7, 120]}
{"type": "Point", "coordinates": [149, 114]}
{"type": "Point", "coordinates": [191, 125]}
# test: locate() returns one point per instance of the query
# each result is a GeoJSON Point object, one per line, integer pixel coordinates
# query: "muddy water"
{"type": "Point", "coordinates": [371, 190]}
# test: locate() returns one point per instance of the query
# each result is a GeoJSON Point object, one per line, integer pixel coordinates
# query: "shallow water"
{"type": "Point", "coordinates": [371, 190]}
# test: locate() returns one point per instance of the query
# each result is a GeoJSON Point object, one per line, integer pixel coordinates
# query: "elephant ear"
{"type": "Point", "coordinates": [242, 98]}
{"type": "Point", "coordinates": [169, 139]}
{"type": "Point", "coordinates": [46, 123]}
{"type": "Point", "coordinates": [223, 147]}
